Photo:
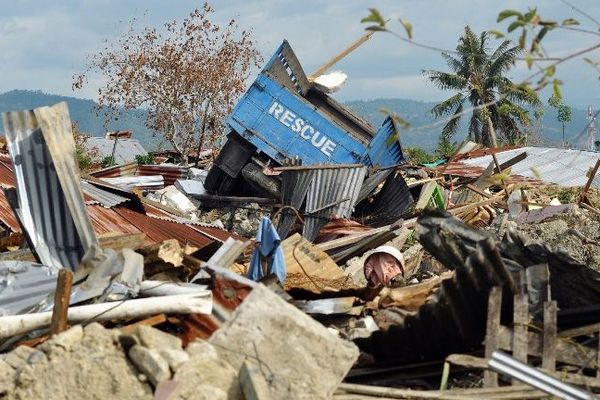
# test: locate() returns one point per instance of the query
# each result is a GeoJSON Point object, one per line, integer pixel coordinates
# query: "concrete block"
{"type": "Point", "coordinates": [150, 362]}
{"type": "Point", "coordinates": [7, 377]}
{"type": "Point", "coordinates": [303, 359]}
{"type": "Point", "coordinates": [202, 348]}
{"type": "Point", "coordinates": [174, 357]}
{"type": "Point", "coordinates": [201, 376]}
{"type": "Point", "coordinates": [156, 339]}
{"type": "Point", "coordinates": [64, 339]}
{"type": "Point", "coordinates": [23, 355]}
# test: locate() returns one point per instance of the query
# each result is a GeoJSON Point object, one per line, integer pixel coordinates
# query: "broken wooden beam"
{"type": "Point", "coordinates": [62, 296]}
{"type": "Point", "coordinates": [490, 378]}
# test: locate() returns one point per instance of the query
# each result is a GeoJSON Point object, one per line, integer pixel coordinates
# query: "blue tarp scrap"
{"type": "Point", "coordinates": [269, 248]}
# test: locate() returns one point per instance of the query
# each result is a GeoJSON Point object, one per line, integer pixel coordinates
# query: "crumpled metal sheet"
{"type": "Point", "coordinates": [23, 285]}
{"type": "Point", "coordinates": [389, 204]}
{"type": "Point", "coordinates": [333, 191]}
{"type": "Point", "coordinates": [51, 206]}
{"type": "Point", "coordinates": [329, 190]}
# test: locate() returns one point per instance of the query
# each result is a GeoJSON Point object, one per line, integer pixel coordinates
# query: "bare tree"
{"type": "Point", "coordinates": [187, 76]}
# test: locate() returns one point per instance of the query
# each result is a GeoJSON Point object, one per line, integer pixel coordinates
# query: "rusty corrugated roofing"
{"type": "Point", "coordinates": [159, 230]}
{"type": "Point", "coordinates": [6, 214]}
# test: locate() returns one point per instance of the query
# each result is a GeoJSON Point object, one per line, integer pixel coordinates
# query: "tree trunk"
{"type": "Point", "coordinates": [491, 139]}
{"type": "Point", "coordinates": [201, 138]}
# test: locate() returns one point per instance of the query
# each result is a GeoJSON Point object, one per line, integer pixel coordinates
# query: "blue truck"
{"type": "Point", "coordinates": [284, 116]}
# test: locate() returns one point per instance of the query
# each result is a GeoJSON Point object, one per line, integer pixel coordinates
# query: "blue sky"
{"type": "Point", "coordinates": [43, 43]}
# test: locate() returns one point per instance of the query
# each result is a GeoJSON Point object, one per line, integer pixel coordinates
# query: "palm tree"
{"type": "Point", "coordinates": [497, 104]}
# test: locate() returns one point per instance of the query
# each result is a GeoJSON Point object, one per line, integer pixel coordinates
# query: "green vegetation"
{"type": "Point", "coordinates": [144, 160]}
{"type": "Point", "coordinates": [416, 155]}
{"type": "Point", "coordinates": [563, 113]}
{"type": "Point", "coordinates": [107, 161]}
{"type": "Point", "coordinates": [84, 160]}
{"type": "Point", "coordinates": [497, 105]}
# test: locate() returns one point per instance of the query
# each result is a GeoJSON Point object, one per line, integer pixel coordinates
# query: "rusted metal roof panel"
{"type": "Point", "coordinates": [6, 214]}
{"type": "Point", "coordinates": [7, 176]}
{"type": "Point", "coordinates": [170, 173]}
{"type": "Point", "coordinates": [128, 169]}
{"type": "Point", "coordinates": [160, 230]}
{"type": "Point", "coordinates": [109, 221]}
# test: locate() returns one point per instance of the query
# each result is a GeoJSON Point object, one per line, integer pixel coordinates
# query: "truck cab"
{"type": "Point", "coordinates": [285, 116]}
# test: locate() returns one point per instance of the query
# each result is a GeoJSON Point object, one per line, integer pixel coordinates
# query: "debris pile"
{"type": "Point", "coordinates": [308, 260]}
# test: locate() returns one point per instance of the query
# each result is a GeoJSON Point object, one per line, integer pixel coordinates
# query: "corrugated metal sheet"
{"type": "Point", "coordinates": [294, 186]}
{"type": "Point", "coordinates": [50, 200]}
{"type": "Point", "coordinates": [333, 191]}
{"type": "Point", "coordinates": [566, 167]}
{"type": "Point", "coordinates": [372, 182]}
{"type": "Point", "coordinates": [128, 169]}
{"type": "Point", "coordinates": [170, 173]}
{"type": "Point", "coordinates": [23, 285]}
{"type": "Point", "coordinates": [7, 216]}
{"type": "Point", "coordinates": [101, 196]}
{"type": "Point", "coordinates": [107, 220]}
{"type": "Point", "coordinates": [125, 151]}
{"type": "Point", "coordinates": [391, 203]}
{"type": "Point", "coordinates": [161, 230]}
{"type": "Point", "coordinates": [7, 176]}
{"type": "Point", "coordinates": [150, 182]}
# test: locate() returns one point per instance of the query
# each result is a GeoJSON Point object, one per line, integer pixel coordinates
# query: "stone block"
{"type": "Point", "coordinates": [302, 359]}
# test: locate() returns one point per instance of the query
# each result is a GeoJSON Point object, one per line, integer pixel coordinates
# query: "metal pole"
{"type": "Point", "coordinates": [507, 365]}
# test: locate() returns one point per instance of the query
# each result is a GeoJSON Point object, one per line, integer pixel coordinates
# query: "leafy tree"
{"type": "Point", "coordinates": [187, 75]}
{"type": "Point", "coordinates": [85, 158]}
{"type": "Point", "coordinates": [417, 155]}
{"type": "Point", "coordinates": [144, 159]}
{"type": "Point", "coordinates": [478, 77]}
{"type": "Point", "coordinates": [563, 113]}
{"type": "Point", "coordinates": [445, 148]}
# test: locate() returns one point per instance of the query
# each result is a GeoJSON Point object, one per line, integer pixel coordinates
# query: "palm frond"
{"type": "Point", "coordinates": [445, 106]}
{"type": "Point", "coordinates": [503, 61]}
{"type": "Point", "coordinates": [450, 128]}
{"type": "Point", "coordinates": [446, 81]}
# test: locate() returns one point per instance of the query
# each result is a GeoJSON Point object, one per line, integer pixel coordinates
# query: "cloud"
{"type": "Point", "coordinates": [43, 43]}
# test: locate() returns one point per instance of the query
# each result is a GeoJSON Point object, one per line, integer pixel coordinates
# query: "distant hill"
{"type": "Point", "coordinates": [83, 112]}
{"type": "Point", "coordinates": [416, 113]}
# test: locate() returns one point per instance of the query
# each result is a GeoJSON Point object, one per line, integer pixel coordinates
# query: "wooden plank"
{"type": "Point", "coordinates": [520, 322]}
{"type": "Point", "coordinates": [350, 239]}
{"type": "Point", "coordinates": [467, 207]}
{"type": "Point", "coordinates": [549, 350]}
{"type": "Point", "coordinates": [588, 184]}
{"type": "Point", "coordinates": [490, 379]}
{"type": "Point", "coordinates": [150, 321]}
{"type": "Point", "coordinates": [598, 358]}
{"type": "Point", "coordinates": [479, 191]}
{"type": "Point", "coordinates": [567, 351]}
{"type": "Point", "coordinates": [507, 392]}
{"type": "Point", "coordinates": [580, 331]}
{"type": "Point", "coordinates": [335, 59]}
{"type": "Point", "coordinates": [497, 164]}
{"type": "Point", "coordinates": [62, 296]}
{"type": "Point", "coordinates": [253, 382]}
{"type": "Point", "coordinates": [590, 208]}
{"type": "Point", "coordinates": [126, 241]}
